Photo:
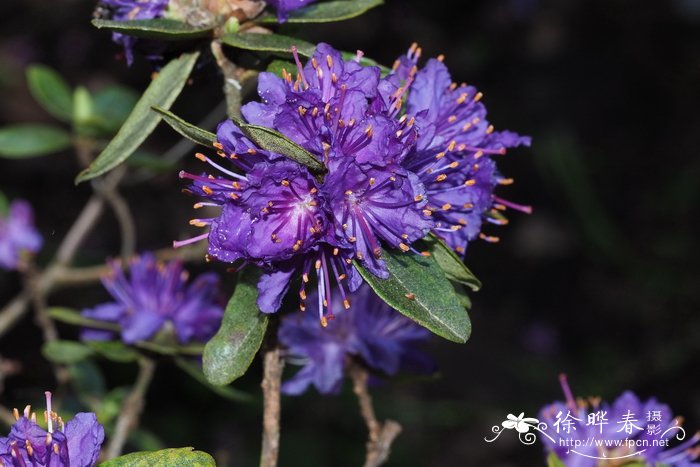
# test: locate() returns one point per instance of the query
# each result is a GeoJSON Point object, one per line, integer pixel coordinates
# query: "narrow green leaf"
{"type": "Point", "coordinates": [326, 12]}
{"type": "Point", "coordinates": [70, 316]}
{"type": "Point", "coordinates": [160, 28]}
{"type": "Point", "coordinates": [273, 141]}
{"type": "Point", "coordinates": [31, 140]}
{"type": "Point", "coordinates": [272, 43]}
{"type": "Point", "coordinates": [116, 351]}
{"type": "Point", "coordinates": [186, 129]}
{"type": "Point", "coordinates": [51, 91]}
{"type": "Point", "coordinates": [230, 352]}
{"type": "Point", "coordinates": [162, 92]}
{"type": "Point", "coordinates": [174, 457]}
{"type": "Point", "coordinates": [195, 371]}
{"type": "Point", "coordinates": [451, 264]}
{"type": "Point", "coordinates": [108, 407]}
{"type": "Point", "coordinates": [418, 288]}
{"type": "Point", "coordinates": [193, 349]}
{"type": "Point", "coordinates": [65, 352]}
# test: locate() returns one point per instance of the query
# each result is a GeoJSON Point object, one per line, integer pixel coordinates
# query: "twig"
{"type": "Point", "coordinates": [127, 226]}
{"type": "Point", "coordinates": [32, 278]}
{"type": "Point", "coordinates": [235, 78]}
{"type": "Point", "coordinates": [131, 408]}
{"type": "Point", "coordinates": [271, 385]}
{"type": "Point", "coordinates": [381, 435]}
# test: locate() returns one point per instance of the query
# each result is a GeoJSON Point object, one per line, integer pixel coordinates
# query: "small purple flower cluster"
{"type": "Point", "coordinates": [155, 294]}
{"type": "Point", "coordinates": [18, 235]}
{"type": "Point", "coordinates": [73, 444]}
{"type": "Point", "coordinates": [383, 339]}
{"type": "Point", "coordinates": [629, 430]}
{"type": "Point", "coordinates": [127, 10]}
{"type": "Point", "coordinates": [404, 154]}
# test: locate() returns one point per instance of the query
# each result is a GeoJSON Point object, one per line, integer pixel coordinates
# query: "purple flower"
{"type": "Point", "coordinates": [127, 10]}
{"type": "Point", "coordinates": [276, 215]}
{"type": "Point", "coordinates": [584, 432]}
{"type": "Point", "coordinates": [371, 331]}
{"type": "Point", "coordinates": [452, 157]}
{"type": "Point", "coordinates": [18, 235]}
{"type": "Point", "coordinates": [283, 7]}
{"type": "Point", "coordinates": [403, 155]}
{"type": "Point", "coordinates": [73, 444]}
{"type": "Point", "coordinates": [157, 293]}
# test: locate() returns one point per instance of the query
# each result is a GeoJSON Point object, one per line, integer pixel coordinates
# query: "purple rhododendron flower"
{"type": "Point", "coordinates": [73, 444]}
{"type": "Point", "coordinates": [157, 293]}
{"type": "Point", "coordinates": [628, 429]}
{"type": "Point", "coordinates": [283, 7]}
{"type": "Point", "coordinates": [395, 169]}
{"type": "Point", "coordinates": [453, 154]}
{"type": "Point", "coordinates": [17, 234]}
{"type": "Point", "coordinates": [382, 338]}
{"type": "Point", "coordinates": [126, 10]}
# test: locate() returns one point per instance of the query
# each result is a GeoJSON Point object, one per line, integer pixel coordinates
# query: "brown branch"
{"type": "Point", "coordinates": [271, 385]}
{"type": "Point", "coordinates": [381, 435]}
{"type": "Point", "coordinates": [131, 408]}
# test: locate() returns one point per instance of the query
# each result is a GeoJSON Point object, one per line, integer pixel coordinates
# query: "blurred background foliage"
{"type": "Point", "coordinates": [600, 282]}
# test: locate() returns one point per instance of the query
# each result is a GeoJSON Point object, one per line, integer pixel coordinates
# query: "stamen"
{"type": "Point", "coordinates": [300, 68]}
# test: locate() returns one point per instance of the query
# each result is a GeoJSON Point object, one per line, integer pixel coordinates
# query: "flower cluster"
{"type": "Point", "coordinates": [383, 339]}
{"type": "Point", "coordinates": [403, 155]}
{"type": "Point", "coordinates": [155, 294]}
{"type": "Point", "coordinates": [127, 10]}
{"type": "Point", "coordinates": [628, 429]}
{"type": "Point", "coordinates": [17, 234]}
{"type": "Point", "coordinates": [73, 444]}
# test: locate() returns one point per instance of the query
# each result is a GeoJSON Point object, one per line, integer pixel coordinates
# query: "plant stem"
{"type": "Point", "coordinates": [271, 385]}
{"type": "Point", "coordinates": [131, 408]}
{"type": "Point", "coordinates": [381, 435]}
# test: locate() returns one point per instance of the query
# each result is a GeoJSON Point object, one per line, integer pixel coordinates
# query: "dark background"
{"type": "Point", "coordinates": [600, 282]}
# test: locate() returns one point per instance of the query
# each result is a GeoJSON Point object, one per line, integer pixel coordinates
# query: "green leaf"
{"type": "Point", "coordinates": [230, 352]}
{"type": "Point", "coordinates": [108, 407]}
{"type": "Point", "coordinates": [195, 371]}
{"type": "Point", "coordinates": [186, 129]}
{"type": "Point", "coordinates": [116, 351]}
{"type": "Point", "coordinates": [70, 316]}
{"type": "Point", "coordinates": [87, 380]}
{"type": "Point", "coordinates": [31, 140]}
{"type": "Point", "coordinates": [327, 12]}
{"type": "Point", "coordinates": [174, 457]}
{"type": "Point", "coordinates": [4, 205]}
{"type": "Point", "coordinates": [162, 92]}
{"type": "Point", "coordinates": [451, 264]}
{"type": "Point", "coordinates": [554, 461]}
{"type": "Point", "coordinates": [273, 141]}
{"type": "Point", "coordinates": [276, 67]}
{"type": "Point", "coordinates": [65, 352]}
{"type": "Point", "coordinates": [418, 288]}
{"type": "Point", "coordinates": [272, 43]}
{"type": "Point", "coordinates": [160, 28]}
{"type": "Point", "coordinates": [82, 109]}
{"type": "Point", "coordinates": [193, 349]}
{"type": "Point", "coordinates": [51, 91]}
{"type": "Point", "coordinates": [462, 295]}
{"type": "Point", "coordinates": [111, 107]}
